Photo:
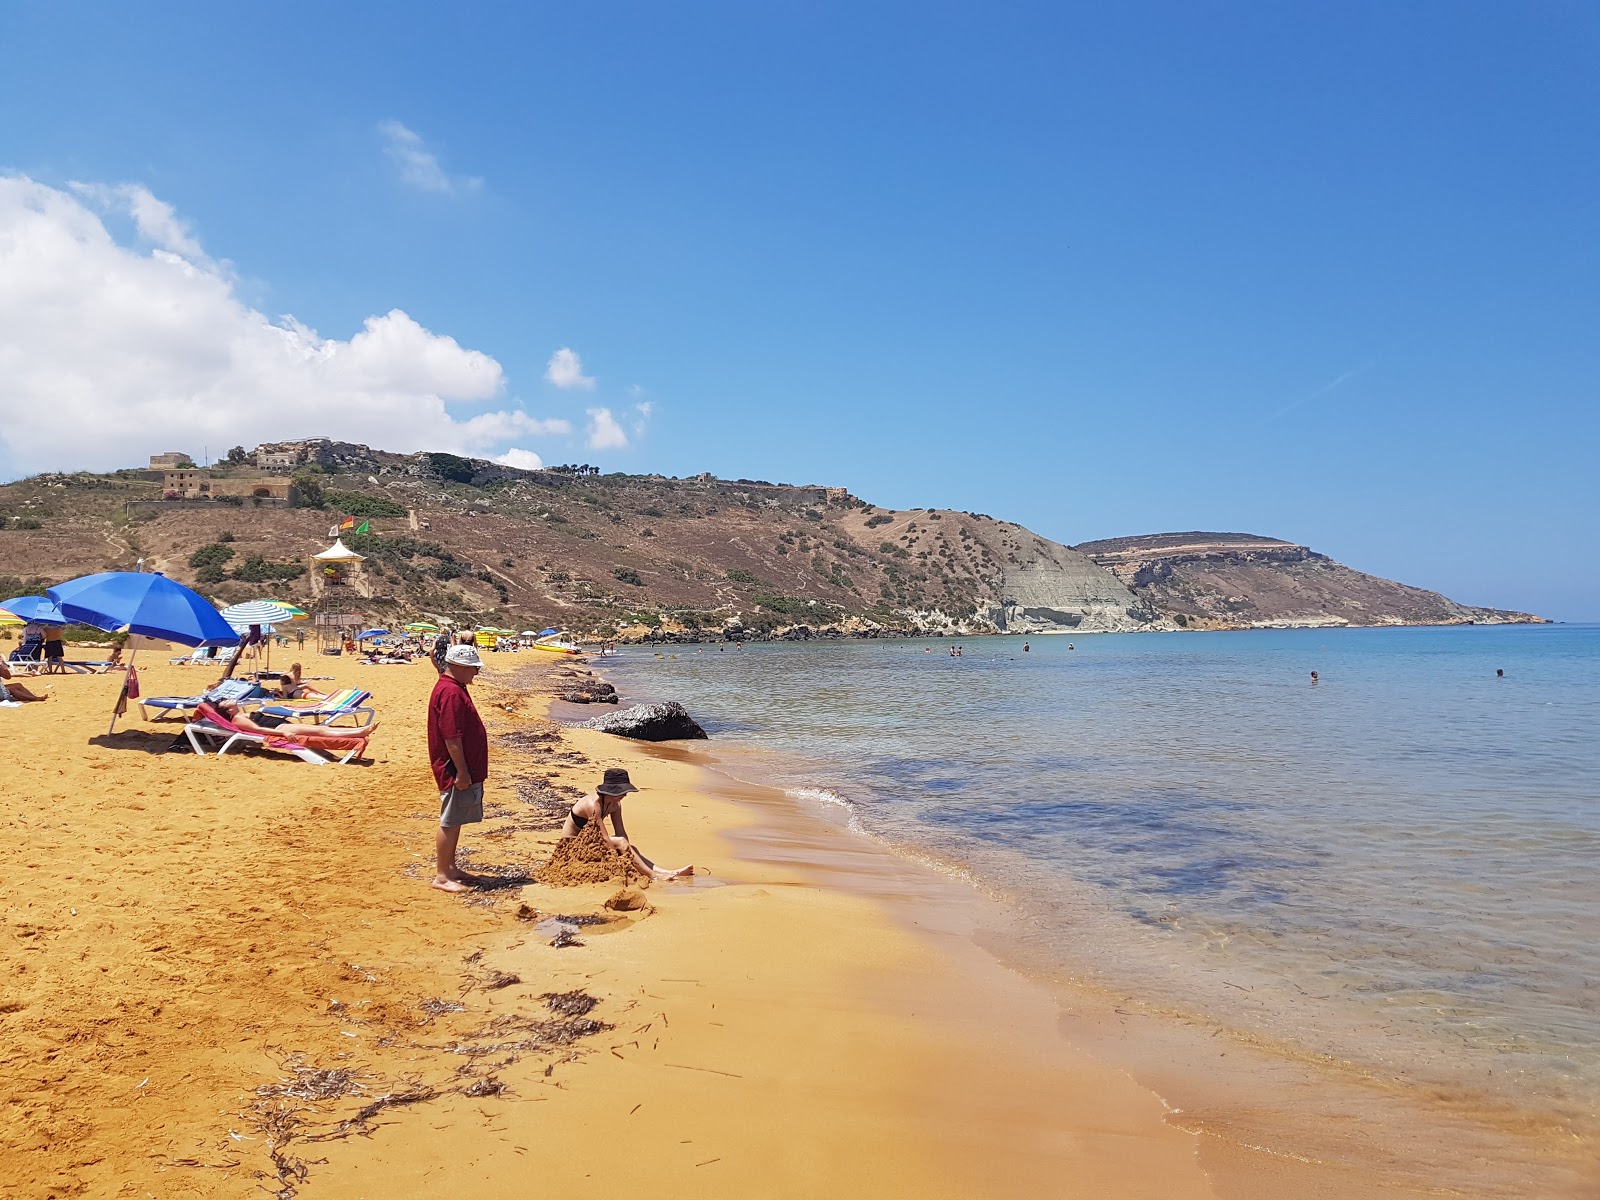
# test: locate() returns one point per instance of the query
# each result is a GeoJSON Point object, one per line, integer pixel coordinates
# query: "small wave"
{"type": "Point", "coordinates": [822, 795]}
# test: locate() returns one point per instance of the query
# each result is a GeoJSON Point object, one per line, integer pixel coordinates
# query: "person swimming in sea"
{"type": "Point", "coordinates": [1313, 679]}
{"type": "Point", "coordinates": [1025, 647]}
{"type": "Point", "coordinates": [607, 802]}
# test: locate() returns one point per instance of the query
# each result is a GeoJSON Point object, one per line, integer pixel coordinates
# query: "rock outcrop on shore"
{"type": "Point", "coordinates": [669, 722]}
{"type": "Point", "coordinates": [1242, 581]}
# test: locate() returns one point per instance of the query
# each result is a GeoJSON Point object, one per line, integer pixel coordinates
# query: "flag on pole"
{"type": "Point", "coordinates": [347, 523]}
{"type": "Point", "coordinates": [365, 525]}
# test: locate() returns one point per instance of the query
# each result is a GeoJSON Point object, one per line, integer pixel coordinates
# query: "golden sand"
{"type": "Point", "coordinates": [224, 975]}
{"type": "Point", "coordinates": [220, 974]}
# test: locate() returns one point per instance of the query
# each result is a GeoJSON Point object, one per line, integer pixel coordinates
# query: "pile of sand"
{"type": "Point", "coordinates": [587, 857]}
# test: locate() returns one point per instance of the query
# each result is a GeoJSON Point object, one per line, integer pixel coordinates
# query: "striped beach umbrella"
{"type": "Point", "coordinates": [256, 612]}
{"type": "Point", "coordinates": [298, 614]}
{"type": "Point", "coordinates": [422, 627]}
{"type": "Point", "coordinates": [10, 618]}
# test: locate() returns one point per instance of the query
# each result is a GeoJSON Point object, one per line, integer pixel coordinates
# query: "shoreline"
{"type": "Point", "coordinates": [839, 633]}
{"type": "Point", "coordinates": [1308, 1120]}
{"type": "Point", "coordinates": [214, 968]}
{"type": "Point", "coordinates": [229, 974]}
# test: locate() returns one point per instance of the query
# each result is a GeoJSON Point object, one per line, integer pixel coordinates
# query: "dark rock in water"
{"type": "Point", "coordinates": [588, 696]}
{"type": "Point", "coordinates": [650, 723]}
{"type": "Point", "coordinates": [593, 692]}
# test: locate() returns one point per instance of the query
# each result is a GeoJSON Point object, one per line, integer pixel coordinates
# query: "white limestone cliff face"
{"type": "Point", "coordinates": [1057, 590]}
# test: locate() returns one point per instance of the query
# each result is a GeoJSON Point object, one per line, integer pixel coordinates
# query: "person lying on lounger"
{"type": "Point", "coordinates": [607, 802]}
{"type": "Point", "coordinates": [270, 726]}
{"type": "Point", "coordinates": [290, 687]}
{"type": "Point", "coordinates": [12, 692]}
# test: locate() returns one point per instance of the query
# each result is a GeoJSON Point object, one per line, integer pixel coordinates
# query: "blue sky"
{"type": "Point", "coordinates": [1322, 271]}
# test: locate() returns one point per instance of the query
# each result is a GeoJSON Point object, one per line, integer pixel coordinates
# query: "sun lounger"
{"type": "Point", "coordinates": [305, 749]}
{"type": "Point", "coordinates": [202, 656]}
{"type": "Point", "coordinates": [241, 691]}
{"type": "Point", "coordinates": [216, 728]}
{"type": "Point", "coordinates": [347, 702]}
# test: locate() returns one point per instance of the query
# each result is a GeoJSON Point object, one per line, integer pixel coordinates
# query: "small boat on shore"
{"type": "Point", "coordinates": [555, 648]}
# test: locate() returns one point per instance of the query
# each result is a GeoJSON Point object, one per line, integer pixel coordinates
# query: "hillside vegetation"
{"type": "Point", "coordinates": [475, 542]}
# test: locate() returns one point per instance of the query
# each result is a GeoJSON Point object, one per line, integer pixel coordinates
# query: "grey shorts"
{"type": "Point", "coordinates": [461, 806]}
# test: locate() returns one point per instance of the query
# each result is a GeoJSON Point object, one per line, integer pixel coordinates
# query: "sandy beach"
{"type": "Point", "coordinates": [225, 975]}
{"type": "Point", "coordinates": [212, 967]}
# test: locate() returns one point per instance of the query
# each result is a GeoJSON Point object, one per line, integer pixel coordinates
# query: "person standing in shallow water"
{"type": "Point", "coordinates": [458, 749]}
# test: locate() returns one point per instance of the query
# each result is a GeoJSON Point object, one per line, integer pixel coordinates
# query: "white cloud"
{"type": "Point", "coordinates": [108, 353]}
{"type": "Point", "coordinates": [565, 370]}
{"type": "Point", "coordinates": [523, 460]}
{"type": "Point", "coordinates": [155, 219]}
{"type": "Point", "coordinates": [604, 433]}
{"type": "Point", "coordinates": [642, 419]}
{"type": "Point", "coordinates": [418, 165]}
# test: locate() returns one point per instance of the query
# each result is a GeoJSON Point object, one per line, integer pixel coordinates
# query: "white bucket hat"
{"type": "Point", "coordinates": [463, 656]}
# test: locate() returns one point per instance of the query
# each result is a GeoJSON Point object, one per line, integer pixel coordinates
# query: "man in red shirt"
{"type": "Point", "coordinates": [458, 746]}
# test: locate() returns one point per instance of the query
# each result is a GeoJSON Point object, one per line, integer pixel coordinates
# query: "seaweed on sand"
{"type": "Point", "coordinates": [577, 1003]}
{"type": "Point", "coordinates": [438, 1008]}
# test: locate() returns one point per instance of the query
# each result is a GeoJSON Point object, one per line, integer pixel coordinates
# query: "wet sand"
{"type": "Point", "coordinates": [221, 975]}
{"type": "Point", "coordinates": [1268, 1118]}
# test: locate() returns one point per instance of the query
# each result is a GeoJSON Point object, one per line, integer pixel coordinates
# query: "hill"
{"type": "Point", "coordinates": [1240, 580]}
{"type": "Point", "coordinates": [476, 542]}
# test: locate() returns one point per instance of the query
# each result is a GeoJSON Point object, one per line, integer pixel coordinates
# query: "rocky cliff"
{"type": "Point", "coordinates": [1241, 581]}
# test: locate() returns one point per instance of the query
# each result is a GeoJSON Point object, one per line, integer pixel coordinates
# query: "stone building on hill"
{"type": "Point", "coordinates": [204, 485]}
{"type": "Point", "coordinates": [168, 462]}
{"type": "Point", "coordinates": [291, 456]}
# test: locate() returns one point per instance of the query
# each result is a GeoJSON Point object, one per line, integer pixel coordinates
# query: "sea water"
{"type": "Point", "coordinates": [1397, 865]}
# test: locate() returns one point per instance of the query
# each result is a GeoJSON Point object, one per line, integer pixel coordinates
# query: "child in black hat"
{"type": "Point", "coordinates": [607, 802]}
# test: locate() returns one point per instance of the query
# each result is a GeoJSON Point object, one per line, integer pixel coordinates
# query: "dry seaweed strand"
{"type": "Point", "coordinates": [577, 1003]}
{"type": "Point", "coordinates": [438, 1008]}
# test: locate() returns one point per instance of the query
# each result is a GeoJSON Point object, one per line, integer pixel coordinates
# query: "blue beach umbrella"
{"type": "Point", "coordinates": [148, 605]}
{"type": "Point", "coordinates": [151, 605]}
{"type": "Point", "coordinates": [548, 632]}
{"type": "Point", "coordinates": [372, 633]}
{"type": "Point", "coordinates": [35, 609]}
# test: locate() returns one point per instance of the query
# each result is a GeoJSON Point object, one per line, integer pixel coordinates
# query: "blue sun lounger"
{"type": "Point", "coordinates": [241, 691]}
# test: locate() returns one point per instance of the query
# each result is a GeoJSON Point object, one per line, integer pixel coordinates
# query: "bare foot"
{"type": "Point", "coordinates": [450, 885]}
{"type": "Point", "coordinates": [679, 873]}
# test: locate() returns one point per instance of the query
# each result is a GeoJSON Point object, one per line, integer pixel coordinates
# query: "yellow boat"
{"type": "Point", "coordinates": [555, 648]}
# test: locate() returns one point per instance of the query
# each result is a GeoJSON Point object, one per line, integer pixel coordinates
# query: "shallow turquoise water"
{"type": "Point", "coordinates": [1397, 866]}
